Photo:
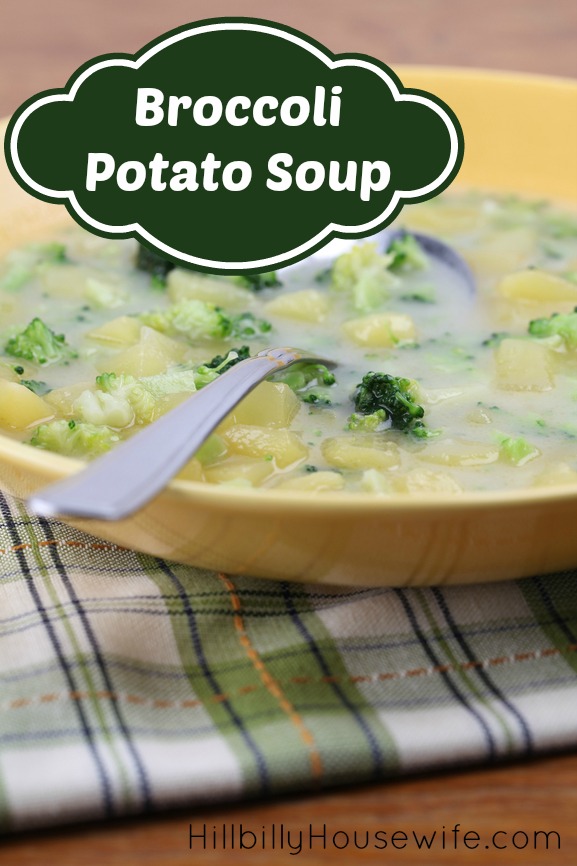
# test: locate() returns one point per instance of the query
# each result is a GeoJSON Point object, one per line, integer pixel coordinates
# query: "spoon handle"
{"type": "Point", "coordinates": [122, 481]}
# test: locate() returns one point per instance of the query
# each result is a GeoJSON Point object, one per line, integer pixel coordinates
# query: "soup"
{"type": "Point", "coordinates": [437, 388]}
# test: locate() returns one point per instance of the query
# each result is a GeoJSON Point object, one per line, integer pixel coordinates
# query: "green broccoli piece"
{"type": "Point", "coordinates": [368, 423]}
{"type": "Point", "coordinates": [224, 363]}
{"type": "Point", "coordinates": [246, 325]}
{"type": "Point", "coordinates": [74, 438]}
{"type": "Point", "coordinates": [495, 340]}
{"type": "Point", "coordinates": [210, 371]}
{"type": "Point", "coordinates": [129, 392]}
{"type": "Point", "coordinates": [407, 254]}
{"type": "Point", "coordinates": [316, 397]}
{"type": "Point", "coordinates": [423, 295]}
{"type": "Point", "coordinates": [191, 318]}
{"type": "Point", "coordinates": [563, 325]}
{"type": "Point", "coordinates": [324, 277]}
{"type": "Point", "coordinates": [23, 264]}
{"type": "Point", "coordinates": [364, 274]}
{"type": "Point", "coordinates": [39, 388]}
{"type": "Point", "coordinates": [309, 381]}
{"type": "Point", "coordinates": [39, 344]}
{"type": "Point", "coordinates": [256, 282]}
{"type": "Point", "coordinates": [516, 450]}
{"type": "Point", "coordinates": [153, 264]}
{"type": "Point", "coordinates": [393, 394]}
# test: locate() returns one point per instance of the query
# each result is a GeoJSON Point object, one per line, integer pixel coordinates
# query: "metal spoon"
{"type": "Point", "coordinates": [437, 250]}
{"type": "Point", "coordinates": [119, 483]}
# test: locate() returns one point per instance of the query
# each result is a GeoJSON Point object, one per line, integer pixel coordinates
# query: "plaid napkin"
{"type": "Point", "coordinates": [130, 684]}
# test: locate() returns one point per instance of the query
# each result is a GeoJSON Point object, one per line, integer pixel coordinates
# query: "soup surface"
{"type": "Point", "coordinates": [437, 388]}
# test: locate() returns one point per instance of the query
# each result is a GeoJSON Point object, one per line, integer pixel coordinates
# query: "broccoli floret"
{"type": "Point", "coordinates": [22, 265]}
{"type": "Point", "coordinates": [368, 423]}
{"type": "Point", "coordinates": [39, 388]}
{"type": "Point", "coordinates": [155, 265]}
{"type": "Point", "coordinates": [175, 381]}
{"type": "Point", "coordinates": [256, 282]}
{"type": "Point", "coordinates": [495, 339]}
{"type": "Point", "coordinates": [194, 319]}
{"type": "Point", "coordinates": [39, 344]}
{"type": "Point", "coordinates": [423, 295]}
{"type": "Point", "coordinates": [316, 397]}
{"type": "Point", "coordinates": [74, 438]}
{"type": "Point", "coordinates": [246, 325]}
{"type": "Point", "coordinates": [364, 273]}
{"type": "Point", "coordinates": [395, 395]}
{"type": "Point", "coordinates": [100, 408]}
{"type": "Point", "coordinates": [516, 450]}
{"type": "Point", "coordinates": [225, 362]}
{"type": "Point", "coordinates": [131, 391]}
{"type": "Point", "coordinates": [407, 254]}
{"type": "Point", "coordinates": [210, 371]}
{"type": "Point", "coordinates": [309, 381]}
{"type": "Point", "coordinates": [563, 325]}
{"type": "Point", "coordinates": [324, 277]}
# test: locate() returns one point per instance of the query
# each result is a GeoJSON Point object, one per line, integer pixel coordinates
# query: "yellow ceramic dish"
{"type": "Point", "coordinates": [520, 136]}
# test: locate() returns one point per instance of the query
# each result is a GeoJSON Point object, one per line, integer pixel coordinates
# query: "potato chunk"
{"type": "Point", "coordinates": [308, 305]}
{"type": "Point", "coordinates": [459, 452]}
{"type": "Point", "coordinates": [523, 365]}
{"type": "Point", "coordinates": [426, 481]}
{"type": "Point", "coordinates": [122, 331]}
{"type": "Point", "coordinates": [536, 285]}
{"type": "Point", "coordinates": [285, 447]}
{"type": "Point", "coordinates": [184, 285]}
{"type": "Point", "coordinates": [253, 470]}
{"type": "Point", "coordinates": [381, 329]}
{"type": "Point", "coordinates": [153, 354]}
{"type": "Point", "coordinates": [360, 452]}
{"type": "Point", "coordinates": [20, 408]}
{"type": "Point", "coordinates": [271, 404]}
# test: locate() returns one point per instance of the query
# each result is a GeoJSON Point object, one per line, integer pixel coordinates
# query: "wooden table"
{"type": "Point", "coordinates": [41, 44]}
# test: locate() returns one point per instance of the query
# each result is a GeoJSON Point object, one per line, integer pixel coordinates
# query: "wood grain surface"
{"type": "Point", "coordinates": [41, 44]}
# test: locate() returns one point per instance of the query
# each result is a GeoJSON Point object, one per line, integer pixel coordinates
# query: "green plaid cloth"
{"type": "Point", "coordinates": [131, 684]}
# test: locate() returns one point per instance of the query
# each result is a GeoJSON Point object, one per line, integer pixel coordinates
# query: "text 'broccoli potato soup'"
{"type": "Point", "coordinates": [437, 389]}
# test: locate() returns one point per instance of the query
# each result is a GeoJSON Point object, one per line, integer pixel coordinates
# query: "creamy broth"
{"type": "Point", "coordinates": [499, 402]}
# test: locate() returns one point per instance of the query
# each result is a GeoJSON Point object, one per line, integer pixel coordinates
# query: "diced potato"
{"type": "Point", "coordinates": [153, 354]}
{"type": "Point", "coordinates": [381, 329]}
{"type": "Point", "coordinates": [459, 452]}
{"type": "Point", "coordinates": [271, 404]}
{"type": "Point", "coordinates": [535, 285]}
{"type": "Point", "coordinates": [62, 399]}
{"type": "Point", "coordinates": [426, 481]}
{"type": "Point", "coordinates": [374, 481]}
{"type": "Point", "coordinates": [67, 281]}
{"type": "Point", "coordinates": [504, 251]}
{"type": "Point", "coordinates": [285, 447]}
{"type": "Point", "coordinates": [123, 331]}
{"type": "Point", "coordinates": [192, 471]}
{"type": "Point", "coordinates": [360, 452]}
{"type": "Point", "coordinates": [314, 482]}
{"type": "Point", "coordinates": [252, 469]}
{"type": "Point", "coordinates": [20, 408]}
{"type": "Point", "coordinates": [557, 473]}
{"type": "Point", "coordinates": [308, 305]}
{"type": "Point", "coordinates": [184, 285]}
{"type": "Point", "coordinates": [523, 365]}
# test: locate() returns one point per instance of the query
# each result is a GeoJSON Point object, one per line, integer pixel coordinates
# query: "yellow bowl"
{"type": "Point", "coordinates": [520, 136]}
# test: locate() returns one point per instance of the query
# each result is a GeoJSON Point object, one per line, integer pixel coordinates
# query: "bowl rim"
{"type": "Point", "coordinates": [219, 497]}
